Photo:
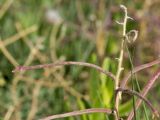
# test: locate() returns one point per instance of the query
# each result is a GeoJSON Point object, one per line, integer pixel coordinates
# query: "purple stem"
{"type": "Point", "coordinates": [137, 69]}
{"type": "Point", "coordinates": [23, 68]}
{"type": "Point", "coordinates": [80, 112]}
{"type": "Point", "coordinates": [144, 92]}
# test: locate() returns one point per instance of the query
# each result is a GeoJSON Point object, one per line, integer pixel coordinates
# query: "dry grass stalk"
{"type": "Point", "coordinates": [5, 7]}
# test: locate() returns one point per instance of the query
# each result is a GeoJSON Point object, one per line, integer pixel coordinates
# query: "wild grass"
{"type": "Point", "coordinates": [78, 35]}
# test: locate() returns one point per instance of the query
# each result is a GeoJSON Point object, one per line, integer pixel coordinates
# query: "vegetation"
{"type": "Point", "coordinates": [88, 56]}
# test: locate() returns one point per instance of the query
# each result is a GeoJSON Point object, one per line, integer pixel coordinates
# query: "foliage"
{"type": "Point", "coordinates": [44, 31]}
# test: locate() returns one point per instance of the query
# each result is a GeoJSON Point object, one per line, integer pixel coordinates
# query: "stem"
{"type": "Point", "coordinates": [141, 98]}
{"type": "Point", "coordinates": [137, 69]}
{"type": "Point", "coordinates": [80, 112]}
{"type": "Point", "coordinates": [120, 60]}
{"type": "Point", "coordinates": [24, 68]}
{"type": "Point", "coordinates": [144, 92]}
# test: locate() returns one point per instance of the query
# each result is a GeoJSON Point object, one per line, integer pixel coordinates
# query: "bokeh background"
{"type": "Point", "coordinates": [45, 31]}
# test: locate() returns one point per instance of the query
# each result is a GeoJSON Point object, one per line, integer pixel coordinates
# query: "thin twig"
{"type": "Point", "coordinates": [139, 96]}
{"type": "Point", "coordinates": [80, 112]}
{"type": "Point", "coordinates": [19, 35]}
{"type": "Point", "coordinates": [24, 68]}
{"type": "Point", "coordinates": [144, 92]}
{"type": "Point", "coordinates": [31, 46]}
{"type": "Point", "coordinates": [137, 69]}
{"type": "Point", "coordinates": [34, 104]}
{"type": "Point", "coordinates": [9, 113]}
{"type": "Point", "coordinates": [7, 54]}
{"type": "Point", "coordinates": [5, 7]}
{"type": "Point", "coordinates": [16, 79]}
{"type": "Point", "coordinates": [63, 83]}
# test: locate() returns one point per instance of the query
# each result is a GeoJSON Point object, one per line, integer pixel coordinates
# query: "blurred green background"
{"type": "Point", "coordinates": [44, 31]}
